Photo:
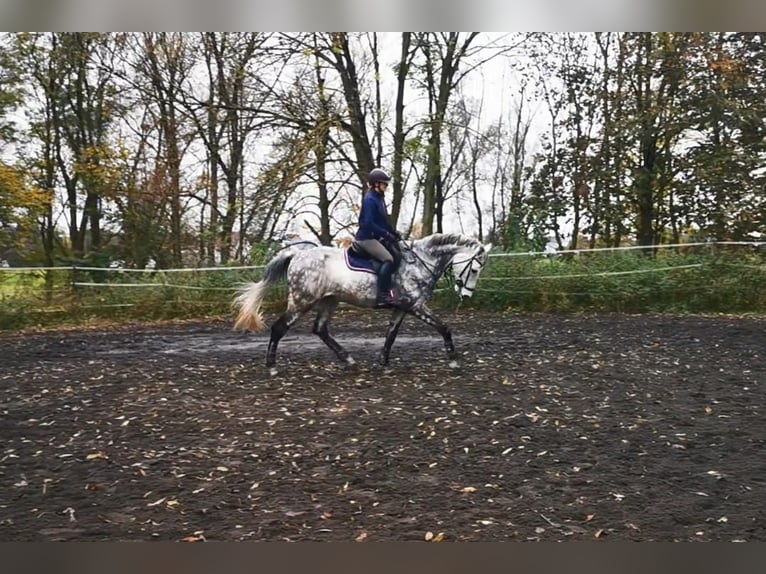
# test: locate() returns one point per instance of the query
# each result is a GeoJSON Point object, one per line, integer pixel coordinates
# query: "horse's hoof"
{"type": "Point", "coordinates": [453, 364]}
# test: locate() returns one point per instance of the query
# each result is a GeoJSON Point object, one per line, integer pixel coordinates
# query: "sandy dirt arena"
{"type": "Point", "coordinates": [596, 427]}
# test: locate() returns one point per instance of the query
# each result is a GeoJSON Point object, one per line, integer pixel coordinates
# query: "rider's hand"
{"type": "Point", "coordinates": [397, 236]}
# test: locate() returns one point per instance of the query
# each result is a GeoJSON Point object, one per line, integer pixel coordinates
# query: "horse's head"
{"type": "Point", "coordinates": [466, 268]}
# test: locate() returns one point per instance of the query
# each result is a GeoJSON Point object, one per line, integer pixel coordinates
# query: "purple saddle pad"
{"type": "Point", "coordinates": [357, 263]}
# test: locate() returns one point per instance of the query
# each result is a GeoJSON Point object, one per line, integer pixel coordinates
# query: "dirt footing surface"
{"type": "Point", "coordinates": [551, 428]}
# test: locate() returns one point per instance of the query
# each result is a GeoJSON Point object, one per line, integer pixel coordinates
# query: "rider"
{"type": "Point", "coordinates": [379, 239]}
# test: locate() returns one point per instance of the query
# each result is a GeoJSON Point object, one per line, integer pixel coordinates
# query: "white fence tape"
{"type": "Point", "coordinates": [484, 279]}
{"type": "Point", "coordinates": [627, 248]}
{"type": "Point", "coordinates": [599, 274]}
{"type": "Point", "coordinates": [180, 270]}
{"type": "Point", "coordinates": [496, 254]}
{"type": "Point", "coordinates": [124, 270]}
{"type": "Point", "coordinates": [175, 286]}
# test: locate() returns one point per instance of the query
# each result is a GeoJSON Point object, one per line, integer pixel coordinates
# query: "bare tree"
{"type": "Point", "coordinates": [447, 59]}
{"type": "Point", "coordinates": [233, 57]}
{"type": "Point", "coordinates": [406, 56]}
{"type": "Point", "coordinates": [165, 64]}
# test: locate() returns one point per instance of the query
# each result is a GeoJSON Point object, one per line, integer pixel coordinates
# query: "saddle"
{"type": "Point", "coordinates": [358, 259]}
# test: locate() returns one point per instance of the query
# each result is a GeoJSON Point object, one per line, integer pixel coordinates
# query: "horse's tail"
{"type": "Point", "coordinates": [248, 302]}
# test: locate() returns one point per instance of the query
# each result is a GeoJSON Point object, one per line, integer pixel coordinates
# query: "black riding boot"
{"type": "Point", "coordinates": [386, 296]}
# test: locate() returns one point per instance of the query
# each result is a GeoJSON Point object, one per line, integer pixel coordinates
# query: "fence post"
{"type": "Point", "coordinates": [73, 286]}
{"type": "Point", "coordinates": [49, 286]}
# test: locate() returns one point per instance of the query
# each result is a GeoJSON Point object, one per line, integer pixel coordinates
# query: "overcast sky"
{"type": "Point", "coordinates": [348, 15]}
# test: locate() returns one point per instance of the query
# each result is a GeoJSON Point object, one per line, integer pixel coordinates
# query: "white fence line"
{"type": "Point", "coordinates": [174, 285]}
{"type": "Point", "coordinates": [179, 270]}
{"type": "Point", "coordinates": [496, 254]}
{"type": "Point", "coordinates": [484, 279]}
{"type": "Point", "coordinates": [600, 274]}
{"type": "Point", "coordinates": [124, 270]}
{"type": "Point", "coordinates": [627, 248]}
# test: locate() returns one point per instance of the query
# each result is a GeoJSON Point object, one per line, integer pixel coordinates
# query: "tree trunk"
{"type": "Point", "coordinates": [401, 79]}
{"type": "Point", "coordinates": [346, 68]}
{"type": "Point", "coordinates": [322, 139]}
{"type": "Point", "coordinates": [449, 63]}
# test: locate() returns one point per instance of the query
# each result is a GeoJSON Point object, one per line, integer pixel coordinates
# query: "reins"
{"type": "Point", "coordinates": [414, 253]}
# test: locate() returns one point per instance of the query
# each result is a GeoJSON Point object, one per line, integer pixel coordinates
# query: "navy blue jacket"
{"type": "Point", "coordinates": [373, 218]}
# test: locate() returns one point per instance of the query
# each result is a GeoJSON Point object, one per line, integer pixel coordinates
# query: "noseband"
{"type": "Point", "coordinates": [461, 279]}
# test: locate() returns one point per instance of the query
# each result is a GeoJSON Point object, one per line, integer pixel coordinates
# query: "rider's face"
{"type": "Point", "coordinates": [381, 186]}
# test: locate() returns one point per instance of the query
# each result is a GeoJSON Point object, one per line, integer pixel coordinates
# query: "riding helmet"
{"type": "Point", "coordinates": [377, 175]}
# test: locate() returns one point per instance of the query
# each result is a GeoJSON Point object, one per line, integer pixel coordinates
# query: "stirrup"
{"type": "Point", "coordinates": [391, 299]}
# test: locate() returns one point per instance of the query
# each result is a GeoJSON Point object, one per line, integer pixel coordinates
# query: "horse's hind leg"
{"type": "Point", "coordinates": [278, 330]}
{"type": "Point", "coordinates": [321, 328]}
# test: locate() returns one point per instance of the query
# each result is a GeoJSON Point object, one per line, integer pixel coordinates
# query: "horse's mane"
{"type": "Point", "coordinates": [439, 239]}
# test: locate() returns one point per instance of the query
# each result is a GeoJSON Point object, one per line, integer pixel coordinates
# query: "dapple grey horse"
{"type": "Point", "coordinates": [319, 278]}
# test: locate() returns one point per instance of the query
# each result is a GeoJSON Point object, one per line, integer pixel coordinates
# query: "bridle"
{"type": "Point", "coordinates": [460, 280]}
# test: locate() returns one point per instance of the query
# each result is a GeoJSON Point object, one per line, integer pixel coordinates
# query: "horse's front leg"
{"type": "Point", "coordinates": [443, 329]}
{"type": "Point", "coordinates": [393, 328]}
